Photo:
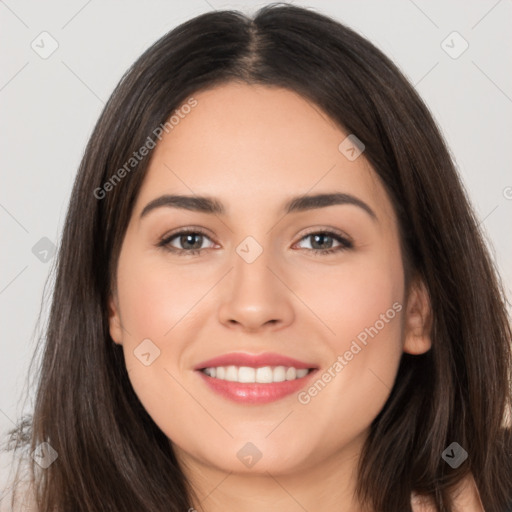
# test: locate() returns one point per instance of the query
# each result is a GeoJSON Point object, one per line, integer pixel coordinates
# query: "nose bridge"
{"type": "Point", "coordinates": [251, 273]}
{"type": "Point", "coordinates": [255, 296]}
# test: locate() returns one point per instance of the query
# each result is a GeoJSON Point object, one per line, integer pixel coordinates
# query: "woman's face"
{"type": "Point", "coordinates": [261, 285]}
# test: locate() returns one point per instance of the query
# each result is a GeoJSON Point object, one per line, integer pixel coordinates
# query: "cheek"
{"type": "Point", "coordinates": [358, 297]}
{"type": "Point", "coordinates": [154, 296]}
{"type": "Point", "coordinates": [149, 309]}
{"type": "Point", "coordinates": [361, 303]}
{"type": "Point", "coordinates": [156, 304]}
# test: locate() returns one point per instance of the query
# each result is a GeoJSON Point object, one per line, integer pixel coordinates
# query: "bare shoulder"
{"type": "Point", "coordinates": [20, 500]}
{"type": "Point", "coordinates": [465, 499]}
{"type": "Point", "coordinates": [16, 490]}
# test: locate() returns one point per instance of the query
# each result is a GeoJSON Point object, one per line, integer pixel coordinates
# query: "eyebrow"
{"type": "Point", "coordinates": [211, 205]}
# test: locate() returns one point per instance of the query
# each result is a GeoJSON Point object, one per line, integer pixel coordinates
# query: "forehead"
{"type": "Point", "coordinates": [253, 146]}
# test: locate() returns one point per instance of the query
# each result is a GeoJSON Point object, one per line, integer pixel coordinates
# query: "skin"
{"type": "Point", "coordinates": [252, 148]}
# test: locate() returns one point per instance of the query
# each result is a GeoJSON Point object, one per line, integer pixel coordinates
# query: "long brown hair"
{"type": "Point", "coordinates": [112, 456]}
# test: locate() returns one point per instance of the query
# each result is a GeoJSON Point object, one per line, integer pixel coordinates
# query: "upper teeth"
{"type": "Point", "coordinates": [264, 375]}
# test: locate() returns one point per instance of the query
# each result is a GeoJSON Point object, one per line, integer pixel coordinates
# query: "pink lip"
{"type": "Point", "coordinates": [254, 393]}
{"type": "Point", "coordinates": [253, 361]}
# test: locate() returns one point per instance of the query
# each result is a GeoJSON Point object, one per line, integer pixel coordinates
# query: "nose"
{"type": "Point", "coordinates": [255, 296]}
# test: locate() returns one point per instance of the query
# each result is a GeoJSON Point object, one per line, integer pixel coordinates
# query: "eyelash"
{"type": "Point", "coordinates": [345, 243]}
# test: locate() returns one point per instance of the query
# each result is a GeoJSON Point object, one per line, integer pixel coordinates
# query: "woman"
{"type": "Point", "coordinates": [257, 367]}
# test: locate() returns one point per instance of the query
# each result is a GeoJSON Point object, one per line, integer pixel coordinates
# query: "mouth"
{"type": "Point", "coordinates": [261, 375]}
{"type": "Point", "coordinates": [255, 378]}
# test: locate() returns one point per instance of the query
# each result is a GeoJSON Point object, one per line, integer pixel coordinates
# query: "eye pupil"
{"type": "Point", "coordinates": [184, 239]}
{"type": "Point", "coordinates": [190, 242]}
{"type": "Point", "coordinates": [320, 236]}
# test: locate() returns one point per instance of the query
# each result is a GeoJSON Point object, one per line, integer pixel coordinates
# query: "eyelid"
{"type": "Point", "coordinates": [327, 229]}
{"type": "Point", "coordinates": [165, 240]}
{"type": "Point", "coordinates": [345, 241]}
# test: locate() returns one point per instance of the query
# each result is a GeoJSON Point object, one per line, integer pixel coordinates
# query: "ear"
{"type": "Point", "coordinates": [418, 320]}
{"type": "Point", "coordinates": [114, 320]}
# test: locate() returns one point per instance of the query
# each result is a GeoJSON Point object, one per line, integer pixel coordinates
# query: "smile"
{"type": "Point", "coordinates": [255, 378]}
{"type": "Point", "coordinates": [262, 375]}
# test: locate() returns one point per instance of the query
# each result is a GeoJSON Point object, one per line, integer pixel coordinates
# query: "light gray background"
{"type": "Point", "coordinates": [49, 107]}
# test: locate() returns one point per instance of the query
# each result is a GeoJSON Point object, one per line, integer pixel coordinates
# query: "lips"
{"type": "Point", "coordinates": [298, 375]}
{"type": "Point", "coordinates": [253, 361]}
